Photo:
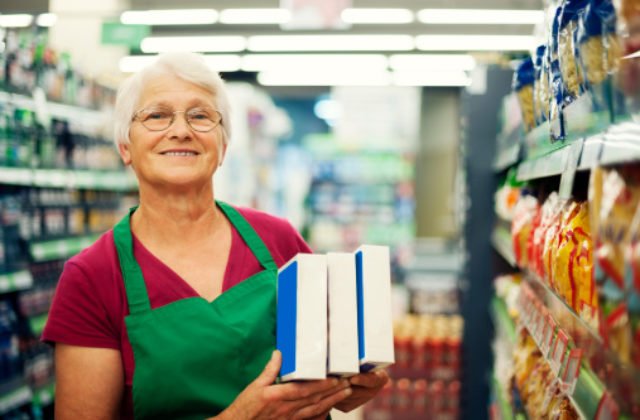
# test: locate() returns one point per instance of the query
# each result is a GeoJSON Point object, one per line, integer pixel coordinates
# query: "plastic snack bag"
{"type": "Point", "coordinates": [550, 245]}
{"type": "Point", "coordinates": [556, 118]}
{"type": "Point", "coordinates": [524, 213]}
{"type": "Point", "coordinates": [633, 286]}
{"type": "Point", "coordinates": [628, 75]}
{"type": "Point", "coordinates": [546, 216]}
{"type": "Point", "coordinates": [540, 87]}
{"type": "Point", "coordinates": [523, 86]}
{"type": "Point", "coordinates": [572, 77]}
{"type": "Point", "coordinates": [615, 200]}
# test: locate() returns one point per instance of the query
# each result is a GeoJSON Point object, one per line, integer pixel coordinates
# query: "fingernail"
{"type": "Point", "coordinates": [347, 391]}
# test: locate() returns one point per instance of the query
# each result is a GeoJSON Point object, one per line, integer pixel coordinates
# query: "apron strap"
{"type": "Point", "coordinates": [131, 272]}
{"type": "Point", "coordinates": [249, 235]}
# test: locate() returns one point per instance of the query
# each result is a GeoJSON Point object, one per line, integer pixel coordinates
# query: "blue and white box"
{"type": "Point", "coordinates": [375, 329]}
{"type": "Point", "coordinates": [301, 331]}
{"type": "Point", "coordinates": [343, 315]}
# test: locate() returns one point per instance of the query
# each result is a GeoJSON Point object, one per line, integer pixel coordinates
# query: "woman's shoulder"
{"type": "Point", "coordinates": [100, 256]}
{"type": "Point", "coordinates": [260, 219]}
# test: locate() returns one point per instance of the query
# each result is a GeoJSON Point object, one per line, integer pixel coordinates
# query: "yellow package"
{"type": "Point", "coordinates": [521, 227]}
{"type": "Point", "coordinates": [550, 246]}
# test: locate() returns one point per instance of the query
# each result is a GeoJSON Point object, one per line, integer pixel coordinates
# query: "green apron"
{"type": "Point", "coordinates": [193, 357]}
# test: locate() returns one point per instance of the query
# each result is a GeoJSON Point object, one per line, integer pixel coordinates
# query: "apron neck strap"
{"type": "Point", "coordinates": [131, 272]}
{"type": "Point", "coordinates": [249, 236]}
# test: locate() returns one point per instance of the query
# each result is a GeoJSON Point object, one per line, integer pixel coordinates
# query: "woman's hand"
{"type": "Point", "coordinates": [295, 400]}
{"type": "Point", "coordinates": [365, 386]}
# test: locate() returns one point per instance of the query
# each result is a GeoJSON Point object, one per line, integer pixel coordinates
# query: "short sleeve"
{"type": "Point", "coordinates": [78, 315]}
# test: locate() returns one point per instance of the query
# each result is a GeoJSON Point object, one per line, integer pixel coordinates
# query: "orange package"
{"type": "Point", "coordinates": [550, 245]}
{"type": "Point", "coordinates": [524, 212]}
{"type": "Point", "coordinates": [546, 217]}
{"type": "Point", "coordinates": [573, 270]}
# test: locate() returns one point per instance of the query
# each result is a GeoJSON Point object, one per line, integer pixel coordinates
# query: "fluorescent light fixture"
{"type": "Point", "coordinates": [157, 44]}
{"type": "Point", "coordinates": [255, 16]}
{"type": "Point", "coordinates": [331, 43]}
{"type": "Point", "coordinates": [430, 78]}
{"type": "Point", "coordinates": [328, 109]}
{"type": "Point", "coordinates": [170, 17]}
{"type": "Point", "coordinates": [475, 42]}
{"type": "Point", "coordinates": [219, 62]}
{"type": "Point", "coordinates": [46, 19]}
{"type": "Point", "coordinates": [432, 62]}
{"type": "Point", "coordinates": [481, 16]}
{"type": "Point", "coordinates": [263, 62]}
{"type": "Point", "coordinates": [377, 16]}
{"type": "Point", "coordinates": [322, 77]}
{"type": "Point", "coordinates": [15, 21]}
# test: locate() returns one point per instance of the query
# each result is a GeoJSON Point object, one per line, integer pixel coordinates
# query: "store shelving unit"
{"type": "Point", "coordinates": [122, 180]}
{"type": "Point", "coordinates": [501, 241]}
{"type": "Point", "coordinates": [14, 394]}
{"type": "Point", "coordinates": [16, 281]}
{"type": "Point", "coordinates": [60, 248]}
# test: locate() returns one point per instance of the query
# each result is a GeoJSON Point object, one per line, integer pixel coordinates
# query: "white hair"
{"type": "Point", "coordinates": [189, 67]}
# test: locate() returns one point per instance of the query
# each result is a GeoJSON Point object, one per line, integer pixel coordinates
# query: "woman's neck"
{"type": "Point", "coordinates": [171, 217]}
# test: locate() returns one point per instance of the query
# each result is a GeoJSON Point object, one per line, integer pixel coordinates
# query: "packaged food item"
{"type": "Point", "coordinates": [556, 118]}
{"type": "Point", "coordinates": [599, 48]}
{"type": "Point", "coordinates": [573, 271]}
{"type": "Point", "coordinates": [551, 243]}
{"type": "Point", "coordinates": [628, 75]}
{"type": "Point", "coordinates": [523, 86]}
{"type": "Point", "coordinates": [616, 200]}
{"type": "Point", "coordinates": [571, 75]}
{"type": "Point", "coordinates": [633, 286]}
{"type": "Point", "coordinates": [521, 227]}
{"type": "Point", "coordinates": [540, 87]}
{"type": "Point", "coordinates": [546, 217]}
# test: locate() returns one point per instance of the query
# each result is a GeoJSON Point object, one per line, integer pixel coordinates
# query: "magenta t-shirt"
{"type": "Point", "coordinates": [90, 302]}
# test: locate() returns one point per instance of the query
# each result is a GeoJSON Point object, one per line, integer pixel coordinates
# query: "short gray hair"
{"type": "Point", "coordinates": [189, 67]}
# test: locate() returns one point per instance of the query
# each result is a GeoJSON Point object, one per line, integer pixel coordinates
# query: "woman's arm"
{"type": "Point", "coordinates": [89, 382]}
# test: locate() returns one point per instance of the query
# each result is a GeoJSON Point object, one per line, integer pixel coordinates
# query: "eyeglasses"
{"type": "Point", "coordinates": [202, 119]}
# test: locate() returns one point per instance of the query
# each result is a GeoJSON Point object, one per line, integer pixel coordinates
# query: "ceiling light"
{"type": "Point", "coordinates": [15, 21]}
{"type": "Point", "coordinates": [46, 19]}
{"type": "Point", "coordinates": [170, 17]}
{"type": "Point", "coordinates": [481, 16]}
{"type": "Point", "coordinates": [221, 43]}
{"type": "Point", "coordinates": [377, 16]}
{"type": "Point", "coordinates": [262, 62]}
{"type": "Point", "coordinates": [331, 43]}
{"type": "Point", "coordinates": [322, 77]}
{"type": "Point", "coordinates": [475, 42]}
{"type": "Point", "coordinates": [430, 78]}
{"type": "Point", "coordinates": [432, 62]}
{"type": "Point", "coordinates": [255, 16]}
{"type": "Point", "coordinates": [328, 109]}
{"type": "Point", "coordinates": [218, 62]}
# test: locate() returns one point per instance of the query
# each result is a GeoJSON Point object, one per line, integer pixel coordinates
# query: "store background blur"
{"type": "Point", "coordinates": [436, 127]}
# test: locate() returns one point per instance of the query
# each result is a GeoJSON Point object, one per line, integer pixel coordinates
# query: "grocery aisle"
{"type": "Point", "coordinates": [566, 218]}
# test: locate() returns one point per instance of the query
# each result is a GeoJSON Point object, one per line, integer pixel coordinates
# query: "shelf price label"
{"type": "Point", "coordinates": [572, 371]}
{"type": "Point", "coordinates": [559, 352]}
{"type": "Point", "coordinates": [547, 335]}
{"type": "Point", "coordinates": [572, 158]}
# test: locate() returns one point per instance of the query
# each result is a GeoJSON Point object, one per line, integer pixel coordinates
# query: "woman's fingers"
{"type": "Point", "coordinates": [324, 405]}
{"type": "Point", "coordinates": [370, 380]}
{"type": "Point", "coordinates": [270, 371]}
{"type": "Point", "coordinates": [295, 391]}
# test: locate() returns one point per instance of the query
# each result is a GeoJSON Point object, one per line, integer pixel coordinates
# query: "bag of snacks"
{"type": "Point", "coordinates": [573, 270]}
{"type": "Point", "coordinates": [628, 76]}
{"type": "Point", "coordinates": [572, 77]}
{"type": "Point", "coordinates": [550, 244]}
{"type": "Point", "coordinates": [633, 303]}
{"type": "Point", "coordinates": [524, 213]}
{"type": "Point", "coordinates": [599, 49]}
{"type": "Point", "coordinates": [546, 216]}
{"type": "Point", "coordinates": [555, 81]}
{"type": "Point", "coordinates": [523, 86]}
{"type": "Point", "coordinates": [615, 200]}
{"type": "Point", "coordinates": [540, 86]}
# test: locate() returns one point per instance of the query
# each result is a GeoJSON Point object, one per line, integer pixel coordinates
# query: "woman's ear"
{"type": "Point", "coordinates": [125, 154]}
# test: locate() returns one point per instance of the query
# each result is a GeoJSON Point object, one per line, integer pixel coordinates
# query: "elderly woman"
{"type": "Point", "coordinates": [171, 313]}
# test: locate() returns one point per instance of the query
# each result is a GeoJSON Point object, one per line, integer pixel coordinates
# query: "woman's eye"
{"type": "Point", "coordinates": [155, 116]}
{"type": "Point", "coordinates": [198, 115]}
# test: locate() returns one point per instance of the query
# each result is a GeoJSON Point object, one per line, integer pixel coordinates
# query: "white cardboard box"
{"type": "Point", "coordinates": [343, 315]}
{"type": "Point", "coordinates": [375, 329]}
{"type": "Point", "coordinates": [301, 331]}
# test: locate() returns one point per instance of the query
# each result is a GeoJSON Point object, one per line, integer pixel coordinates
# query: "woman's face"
{"type": "Point", "coordinates": [178, 155]}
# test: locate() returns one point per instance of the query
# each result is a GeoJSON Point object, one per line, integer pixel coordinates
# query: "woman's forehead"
{"type": "Point", "coordinates": [170, 90]}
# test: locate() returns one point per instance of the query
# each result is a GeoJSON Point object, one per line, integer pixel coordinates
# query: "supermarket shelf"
{"type": "Point", "coordinates": [87, 120]}
{"type": "Point", "coordinates": [589, 391]}
{"type": "Point", "coordinates": [43, 396]}
{"type": "Point", "coordinates": [511, 148]}
{"type": "Point", "coordinates": [66, 178]}
{"type": "Point", "coordinates": [60, 248]}
{"type": "Point", "coordinates": [37, 324]}
{"type": "Point", "coordinates": [501, 316]}
{"type": "Point", "coordinates": [501, 240]}
{"type": "Point", "coordinates": [14, 395]}
{"type": "Point", "coordinates": [620, 143]}
{"type": "Point", "coordinates": [19, 280]}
